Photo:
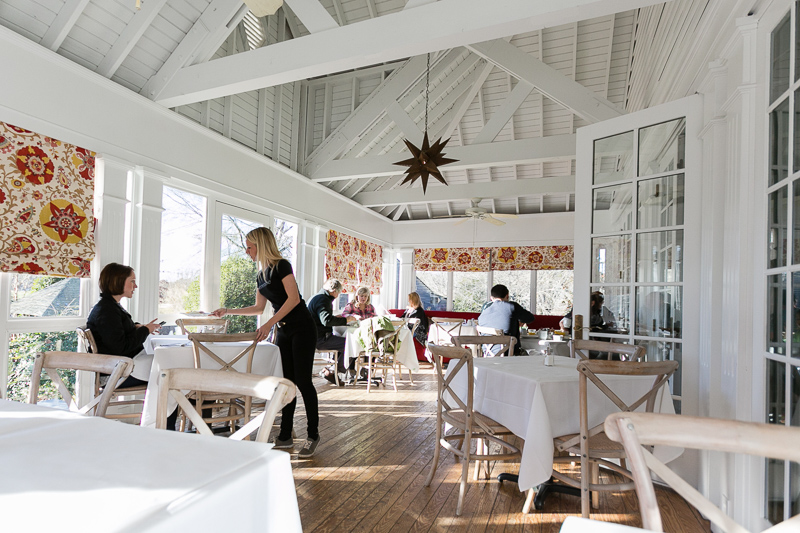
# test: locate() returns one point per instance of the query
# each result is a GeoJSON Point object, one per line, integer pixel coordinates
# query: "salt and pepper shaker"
{"type": "Point", "coordinates": [549, 358]}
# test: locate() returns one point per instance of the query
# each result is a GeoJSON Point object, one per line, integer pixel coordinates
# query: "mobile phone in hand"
{"type": "Point", "coordinates": [162, 322]}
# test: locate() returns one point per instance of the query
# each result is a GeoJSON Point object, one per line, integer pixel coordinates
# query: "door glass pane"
{"type": "Point", "coordinates": [613, 158]}
{"type": "Point", "coordinates": [778, 228]}
{"type": "Point", "coordinates": [795, 317]}
{"type": "Point", "coordinates": [519, 285]}
{"type": "Point", "coordinates": [612, 209]}
{"type": "Point", "coordinates": [432, 290]}
{"type": "Point", "coordinates": [553, 292]}
{"type": "Point", "coordinates": [794, 420]}
{"type": "Point", "coordinates": [659, 311]}
{"type": "Point", "coordinates": [237, 283]}
{"type": "Point", "coordinates": [658, 257]}
{"type": "Point", "coordinates": [796, 166]}
{"type": "Point", "coordinates": [38, 296]}
{"type": "Point", "coordinates": [776, 414]}
{"type": "Point", "coordinates": [776, 314]}
{"type": "Point", "coordinates": [286, 236]}
{"type": "Point", "coordinates": [183, 229]}
{"type": "Point", "coordinates": [775, 470]}
{"type": "Point", "coordinates": [779, 143]}
{"type": "Point", "coordinates": [665, 351]}
{"type": "Point", "coordinates": [611, 259]}
{"type": "Point", "coordinates": [615, 312]}
{"type": "Point", "coordinates": [796, 221]}
{"type": "Point", "coordinates": [779, 58]}
{"type": "Point", "coordinates": [662, 147]}
{"type": "Point", "coordinates": [469, 291]}
{"type": "Point", "coordinates": [22, 348]}
{"type": "Point", "coordinates": [660, 202]}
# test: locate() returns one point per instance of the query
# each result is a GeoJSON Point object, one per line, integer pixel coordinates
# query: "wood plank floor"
{"type": "Point", "coordinates": [370, 469]}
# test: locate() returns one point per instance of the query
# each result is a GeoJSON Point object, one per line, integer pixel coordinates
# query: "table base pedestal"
{"type": "Point", "coordinates": [545, 489]}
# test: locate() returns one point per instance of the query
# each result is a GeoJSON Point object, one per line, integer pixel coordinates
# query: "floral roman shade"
{"type": "Point", "coordinates": [452, 259]}
{"type": "Point", "coordinates": [46, 205]}
{"type": "Point", "coordinates": [354, 262]}
{"type": "Point", "coordinates": [500, 258]}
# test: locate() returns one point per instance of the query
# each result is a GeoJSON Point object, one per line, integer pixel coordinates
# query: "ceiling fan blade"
{"type": "Point", "coordinates": [491, 220]}
{"type": "Point", "coordinates": [463, 219]}
{"type": "Point", "coordinates": [504, 215]}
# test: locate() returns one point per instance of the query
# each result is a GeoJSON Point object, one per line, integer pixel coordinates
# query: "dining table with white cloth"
{"type": "Point", "coordinates": [437, 336]}
{"type": "Point", "coordinates": [62, 471]}
{"type": "Point", "coordinates": [406, 354]}
{"type": "Point", "coordinates": [538, 402]}
{"type": "Point", "coordinates": [175, 351]}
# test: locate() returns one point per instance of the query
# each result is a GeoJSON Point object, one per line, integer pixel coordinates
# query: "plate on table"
{"type": "Point", "coordinates": [196, 313]}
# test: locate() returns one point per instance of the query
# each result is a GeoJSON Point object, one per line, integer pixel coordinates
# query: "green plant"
{"type": "Point", "coordinates": [22, 348]}
{"type": "Point", "coordinates": [238, 289]}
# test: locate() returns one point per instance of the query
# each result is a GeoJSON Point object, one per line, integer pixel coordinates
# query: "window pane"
{"type": "Point", "coordinates": [22, 347]}
{"type": "Point", "coordinates": [286, 236]}
{"type": "Point", "coordinates": [659, 311]}
{"type": "Point", "coordinates": [796, 222]}
{"type": "Point", "coordinates": [662, 147]}
{"type": "Point", "coordinates": [432, 290]}
{"type": "Point", "coordinates": [778, 228]}
{"type": "Point", "coordinates": [183, 228]}
{"type": "Point", "coordinates": [237, 284]}
{"type": "Point", "coordinates": [612, 209]}
{"type": "Point", "coordinates": [779, 59]}
{"type": "Point", "coordinates": [775, 470]}
{"type": "Point", "coordinates": [37, 296]}
{"type": "Point", "coordinates": [776, 314]}
{"type": "Point", "coordinates": [665, 351]}
{"type": "Point", "coordinates": [796, 166]}
{"type": "Point", "coordinates": [616, 309]}
{"type": "Point", "coordinates": [613, 158]}
{"type": "Point", "coordinates": [470, 290]}
{"type": "Point", "coordinates": [519, 285]}
{"type": "Point", "coordinates": [776, 414]}
{"type": "Point", "coordinates": [553, 292]}
{"type": "Point", "coordinates": [661, 202]}
{"type": "Point", "coordinates": [611, 259]}
{"type": "Point", "coordinates": [779, 143]}
{"type": "Point", "coordinates": [658, 257]}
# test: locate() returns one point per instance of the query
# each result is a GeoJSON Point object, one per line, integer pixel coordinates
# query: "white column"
{"type": "Point", "coordinates": [389, 298]}
{"type": "Point", "coordinates": [145, 251]}
{"type": "Point", "coordinates": [408, 281]}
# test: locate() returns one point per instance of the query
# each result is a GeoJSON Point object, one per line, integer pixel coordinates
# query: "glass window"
{"type": "Point", "coordinates": [519, 285]}
{"type": "Point", "coordinates": [183, 228]}
{"type": "Point", "coordinates": [432, 290]}
{"type": "Point", "coordinates": [237, 272]}
{"type": "Point", "coordinates": [22, 348]}
{"type": "Point", "coordinates": [662, 147]}
{"type": "Point", "coordinates": [470, 291]}
{"type": "Point", "coordinates": [41, 296]}
{"type": "Point", "coordinates": [658, 257]}
{"type": "Point", "coordinates": [612, 209]}
{"type": "Point", "coordinates": [613, 158]}
{"type": "Point", "coordinates": [553, 292]}
{"type": "Point", "coordinates": [616, 309]}
{"type": "Point", "coordinates": [779, 143]}
{"type": "Point", "coordinates": [611, 259]}
{"type": "Point", "coordinates": [778, 228]}
{"type": "Point", "coordinates": [659, 311]}
{"type": "Point", "coordinates": [660, 202]}
{"type": "Point", "coordinates": [286, 236]}
{"type": "Point", "coordinates": [776, 314]}
{"type": "Point", "coordinates": [781, 39]}
{"type": "Point", "coordinates": [776, 414]}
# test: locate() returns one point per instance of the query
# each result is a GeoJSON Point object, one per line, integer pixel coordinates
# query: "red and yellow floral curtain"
{"type": "Point", "coordinates": [46, 205]}
{"type": "Point", "coordinates": [452, 259]}
{"type": "Point", "coordinates": [500, 258]}
{"type": "Point", "coordinates": [354, 262]}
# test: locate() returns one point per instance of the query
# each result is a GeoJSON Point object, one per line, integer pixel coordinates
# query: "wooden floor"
{"type": "Point", "coordinates": [370, 470]}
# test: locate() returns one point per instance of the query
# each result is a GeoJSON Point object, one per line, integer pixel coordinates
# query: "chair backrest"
{"type": "Point", "coordinates": [119, 368]}
{"type": "Point", "coordinates": [387, 342]}
{"type": "Point", "coordinates": [607, 350]}
{"type": "Point", "coordinates": [277, 391]}
{"type": "Point", "coordinates": [204, 353]}
{"type": "Point", "coordinates": [487, 345]}
{"type": "Point", "coordinates": [451, 405]}
{"type": "Point", "coordinates": [590, 371]}
{"type": "Point", "coordinates": [203, 325]}
{"type": "Point", "coordinates": [445, 328]}
{"type": "Point", "coordinates": [486, 330]}
{"type": "Point", "coordinates": [635, 430]}
{"type": "Point", "coordinates": [86, 342]}
{"type": "Point", "coordinates": [414, 323]}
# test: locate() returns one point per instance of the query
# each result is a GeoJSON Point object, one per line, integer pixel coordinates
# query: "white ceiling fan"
{"type": "Point", "coordinates": [475, 212]}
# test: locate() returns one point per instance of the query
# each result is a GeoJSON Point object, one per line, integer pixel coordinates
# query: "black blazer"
{"type": "Point", "coordinates": [114, 330]}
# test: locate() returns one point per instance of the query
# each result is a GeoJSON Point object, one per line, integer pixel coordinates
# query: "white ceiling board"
{"type": "Point", "coordinates": [313, 16]}
{"type": "Point", "coordinates": [64, 22]}
{"type": "Point", "coordinates": [130, 36]}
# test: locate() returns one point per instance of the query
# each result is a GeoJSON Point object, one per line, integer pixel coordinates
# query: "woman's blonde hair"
{"type": "Point", "coordinates": [267, 253]}
{"type": "Point", "coordinates": [359, 292]}
{"type": "Point", "coordinates": [413, 299]}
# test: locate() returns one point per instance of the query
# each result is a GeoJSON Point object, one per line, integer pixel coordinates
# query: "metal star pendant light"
{"type": "Point", "coordinates": [427, 159]}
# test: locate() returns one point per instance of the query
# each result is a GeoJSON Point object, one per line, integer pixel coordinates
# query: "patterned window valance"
{"type": "Point", "coordinates": [354, 262]}
{"type": "Point", "coordinates": [501, 258]}
{"type": "Point", "coordinates": [452, 259]}
{"type": "Point", "coordinates": [46, 205]}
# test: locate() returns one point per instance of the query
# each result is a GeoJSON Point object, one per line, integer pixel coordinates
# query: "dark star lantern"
{"type": "Point", "coordinates": [425, 161]}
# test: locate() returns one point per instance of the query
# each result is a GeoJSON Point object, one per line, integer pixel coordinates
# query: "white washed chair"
{"type": "Point", "coordinates": [479, 342]}
{"type": "Point", "coordinates": [445, 329]}
{"type": "Point", "coordinates": [486, 330]}
{"type": "Point", "coordinates": [277, 392]}
{"type": "Point", "coordinates": [638, 431]}
{"type": "Point", "coordinates": [627, 352]}
{"type": "Point", "coordinates": [203, 325]}
{"type": "Point", "coordinates": [382, 358]}
{"type": "Point", "coordinates": [117, 367]}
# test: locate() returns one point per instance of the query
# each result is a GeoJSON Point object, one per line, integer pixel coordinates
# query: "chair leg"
{"type": "Point", "coordinates": [596, 480]}
{"type": "Point", "coordinates": [369, 374]}
{"type": "Point", "coordinates": [528, 501]}
{"type": "Point", "coordinates": [464, 473]}
{"type": "Point", "coordinates": [585, 468]}
{"type": "Point", "coordinates": [436, 449]}
{"type": "Point", "coordinates": [394, 378]}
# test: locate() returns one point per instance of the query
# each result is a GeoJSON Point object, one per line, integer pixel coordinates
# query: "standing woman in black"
{"type": "Point", "coordinates": [296, 333]}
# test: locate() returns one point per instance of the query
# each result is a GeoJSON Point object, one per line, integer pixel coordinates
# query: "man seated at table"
{"type": "Point", "coordinates": [505, 315]}
{"type": "Point", "coordinates": [321, 307]}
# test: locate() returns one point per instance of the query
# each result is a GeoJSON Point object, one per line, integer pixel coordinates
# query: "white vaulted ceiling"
{"type": "Point", "coordinates": [330, 88]}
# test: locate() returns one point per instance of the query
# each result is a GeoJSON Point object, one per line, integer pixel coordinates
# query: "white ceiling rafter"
{"type": "Point", "coordinates": [313, 15]}
{"type": "Point", "coordinates": [436, 26]}
{"type": "Point", "coordinates": [133, 31]}
{"type": "Point", "coordinates": [63, 24]}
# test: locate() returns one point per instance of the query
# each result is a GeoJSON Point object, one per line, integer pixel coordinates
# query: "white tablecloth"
{"type": "Point", "coordinates": [266, 362]}
{"type": "Point", "coordinates": [539, 403]}
{"type": "Point", "coordinates": [66, 472]}
{"type": "Point", "coordinates": [437, 336]}
{"type": "Point", "coordinates": [406, 356]}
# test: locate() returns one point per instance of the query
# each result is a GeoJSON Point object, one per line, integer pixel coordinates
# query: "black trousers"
{"type": "Point", "coordinates": [297, 343]}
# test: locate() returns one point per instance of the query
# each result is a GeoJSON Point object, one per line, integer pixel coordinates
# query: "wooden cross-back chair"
{"type": "Point", "coordinates": [636, 431]}
{"type": "Point", "coordinates": [591, 443]}
{"type": "Point", "coordinates": [205, 357]}
{"type": "Point", "coordinates": [487, 345]}
{"type": "Point", "coordinates": [486, 330]}
{"type": "Point", "coordinates": [594, 349]}
{"type": "Point", "coordinates": [382, 357]}
{"type": "Point", "coordinates": [277, 392]}
{"type": "Point", "coordinates": [445, 329]}
{"type": "Point", "coordinates": [467, 423]}
{"type": "Point", "coordinates": [118, 368]}
{"type": "Point", "coordinates": [87, 344]}
{"type": "Point", "coordinates": [203, 325]}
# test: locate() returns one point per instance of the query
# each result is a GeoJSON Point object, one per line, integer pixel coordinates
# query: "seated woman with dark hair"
{"type": "Point", "coordinates": [415, 310]}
